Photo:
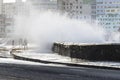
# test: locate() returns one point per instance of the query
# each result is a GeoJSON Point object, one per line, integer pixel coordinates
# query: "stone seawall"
{"type": "Point", "coordinates": [94, 52]}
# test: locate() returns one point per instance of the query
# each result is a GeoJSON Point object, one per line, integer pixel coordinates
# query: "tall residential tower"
{"type": "Point", "coordinates": [1, 3]}
{"type": "Point", "coordinates": [108, 14]}
{"type": "Point", "coordinates": [78, 9]}
{"type": "Point", "coordinates": [41, 5]}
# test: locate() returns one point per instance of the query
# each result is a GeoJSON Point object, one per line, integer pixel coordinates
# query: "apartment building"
{"type": "Point", "coordinates": [78, 9]}
{"type": "Point", "coordinates": [43, 5]}
{"type": "Point", "coordinates": [108, 14]}
{"type": "Point", "coordinates": [9, 11]}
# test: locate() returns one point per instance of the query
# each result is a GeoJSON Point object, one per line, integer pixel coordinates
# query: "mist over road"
{"type": "Point", "coordinates": [41, 72]}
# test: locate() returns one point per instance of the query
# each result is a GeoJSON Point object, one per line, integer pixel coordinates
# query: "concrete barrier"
{"type": "Point", "coordinates": [67, 64]}
{"type": "Point", "coordinates": [94, 52]}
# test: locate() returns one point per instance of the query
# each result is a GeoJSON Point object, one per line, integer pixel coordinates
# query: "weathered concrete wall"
{"type": "Point", "coordinates": [99, 52]}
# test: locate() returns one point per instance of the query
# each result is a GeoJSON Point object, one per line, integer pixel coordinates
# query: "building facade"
{"type": "Point", "coordinates": [108, 14]}
{"type": "Point", "coordinates": [43, 5]}
{"type": "Point", "coordinates": [22, 8]}
{"type": "Point", "coordinates": [1, 3]}
{"type": "Point", "coordinates": [2, 20]}
{"type": "Point", "coordinates": [78, 9]}
{"type": "Point", "coordinates": [105, 13]}
{"type": "Point", "coordinates": [19, 8]}
{"type": "Point", "coordinates": [9, 11]}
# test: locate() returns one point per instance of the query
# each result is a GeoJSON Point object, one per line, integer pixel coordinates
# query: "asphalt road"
{"type": "Point", "coordinates": [41, 72]}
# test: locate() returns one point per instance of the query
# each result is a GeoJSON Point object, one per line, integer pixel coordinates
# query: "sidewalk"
{"type": "Point", "coordinates": [54, 58]}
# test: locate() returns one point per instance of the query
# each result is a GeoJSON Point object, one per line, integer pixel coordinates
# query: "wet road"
{"type": "Point", "coordinates": [41, 72]}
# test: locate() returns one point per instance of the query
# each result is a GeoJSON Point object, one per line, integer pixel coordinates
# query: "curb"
{"type": "Point", "coordinates": [67, 64]}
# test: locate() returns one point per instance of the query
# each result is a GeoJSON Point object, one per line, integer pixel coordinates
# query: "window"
{"type": "Point", "coordinates": [71, 4]}
{"type": "Point", "coordinates": [110, 2]}
{"type": "Point", "coordinates": [63, 3]}
{"type": "Point", "coordinates": [99, 2]}
{"type": "Point", "coordinates": [76, 7]}
{"type": "Point", "coordinates": [80, 2]}
{"type": "Point", "coordinates": [101, 10]}
{"type": "Point", "coordinates": [112, 10]}
{"type": "Point", "coordinates": [107, 10]}
{"type": "Point", "coordinates": [80, 7]}
{"type": "Point", "coordinates": [97, 10]}
{"type": "Point", "coordinates": [80, 12]}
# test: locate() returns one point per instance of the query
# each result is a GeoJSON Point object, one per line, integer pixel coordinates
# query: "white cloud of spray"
{"type": "Point", "coordinates": [114, 37]}
{"type": "Point", "coordinates": [46, 28]}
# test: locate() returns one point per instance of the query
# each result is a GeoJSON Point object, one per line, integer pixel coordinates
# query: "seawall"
{"type": "Point", "coordinates": [94, 52]}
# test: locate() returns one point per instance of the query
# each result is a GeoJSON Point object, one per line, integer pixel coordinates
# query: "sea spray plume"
{"type": "Point", "coordinates": [48, 27]}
